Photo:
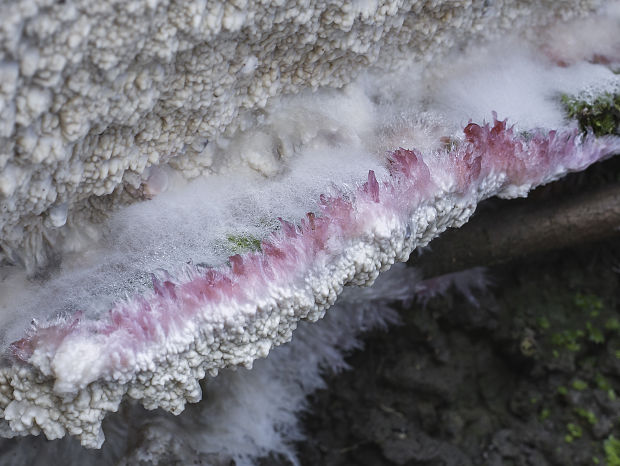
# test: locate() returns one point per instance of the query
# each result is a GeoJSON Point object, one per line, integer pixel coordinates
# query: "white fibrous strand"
{"type": "Point", "coordinates": [156, 346]}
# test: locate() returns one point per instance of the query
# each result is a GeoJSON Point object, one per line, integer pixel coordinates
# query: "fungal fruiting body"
{"type": "Point", "coordinates": [92, 98]}
{"type": "Point", "coordinates": [155, 347]}
{"type": "Point", "coordinates": [142, 302]}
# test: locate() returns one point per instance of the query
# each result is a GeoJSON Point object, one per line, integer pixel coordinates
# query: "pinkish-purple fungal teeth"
{"type": "Point", "coordinates": [103, 123]}
{"type": "Point", "coordinates": [156, 346]}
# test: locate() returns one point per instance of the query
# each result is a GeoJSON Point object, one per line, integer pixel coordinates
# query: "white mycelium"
{"type": "Point", "coordinates": [155, 347]}
{"type": "Point", "coordinates": [167, 81]}
{"type": "Point", "coordinates": [93, 95]}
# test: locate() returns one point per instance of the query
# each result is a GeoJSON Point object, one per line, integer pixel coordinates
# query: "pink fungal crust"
{"type": "Point", "coordinates": [218, 298]}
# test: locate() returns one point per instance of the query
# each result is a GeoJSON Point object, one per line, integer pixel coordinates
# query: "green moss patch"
{"type": "Point", "coordinates": [600, 114]}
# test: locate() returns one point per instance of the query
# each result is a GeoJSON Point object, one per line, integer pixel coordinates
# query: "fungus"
{"type": "Point", "coordinates": [181, 259]}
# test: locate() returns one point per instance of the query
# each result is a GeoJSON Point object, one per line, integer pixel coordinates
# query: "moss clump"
{"type": "Point", "coordinates": [587, 415]}
{"type": "Point", "coordinates": [567, 339]}
{"type": "Point", "coordinates": [594, 334]}
{"type": "Point", "coordinates": [243, 243]}
{"type": "Point", "coordinates": [580, 385]}
{"type": "Point", "coordinates": [543, 323]}
{"type": "Point", "coordinates": [574, 431]}
{"type": "Point", "coordinates": [589, 303]}
{"type": "Point", "coordinates": [601, 115]}
{"type": "Point", "coordinates": [586, 320]}
{"type": "Point", "coordinates": [612, 451]}
{"type": "Point", "coordinates": [612, 324]}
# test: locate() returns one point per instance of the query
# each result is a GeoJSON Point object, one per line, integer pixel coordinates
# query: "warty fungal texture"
{"type": "Point", "coordinates": [98, 116]}
{"type": "Point", "coordinates": [91, 96]}
{"type": "Point", "coordinates": [157, 346]}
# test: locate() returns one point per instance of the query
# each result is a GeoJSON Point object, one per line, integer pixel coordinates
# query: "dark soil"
{"type": "Point", "coordinates": [528, 375]}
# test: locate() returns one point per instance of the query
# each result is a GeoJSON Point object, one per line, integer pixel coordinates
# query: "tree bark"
{"type": "Point", "coordinates": [495, 237]}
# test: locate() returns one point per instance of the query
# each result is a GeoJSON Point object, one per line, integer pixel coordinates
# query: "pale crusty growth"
{"type": "Point", "coordinates": [94, 93]}
{"type": "Point", "coordinates": [93, 96]}
{"type": "Point", "coordinates": [156, 347]}
{"type": "Point", "coordinates": [33, 403]}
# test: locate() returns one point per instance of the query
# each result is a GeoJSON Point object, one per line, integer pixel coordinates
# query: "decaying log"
{"type": "Point", "coordinates": [495, 237]}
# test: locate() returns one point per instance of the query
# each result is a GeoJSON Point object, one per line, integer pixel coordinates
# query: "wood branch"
{"type": "Point", "coordinates": [495, 237]}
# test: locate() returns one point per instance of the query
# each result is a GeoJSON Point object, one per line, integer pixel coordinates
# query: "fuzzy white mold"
{"type": "Point", "coordinates": [91, 96]}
